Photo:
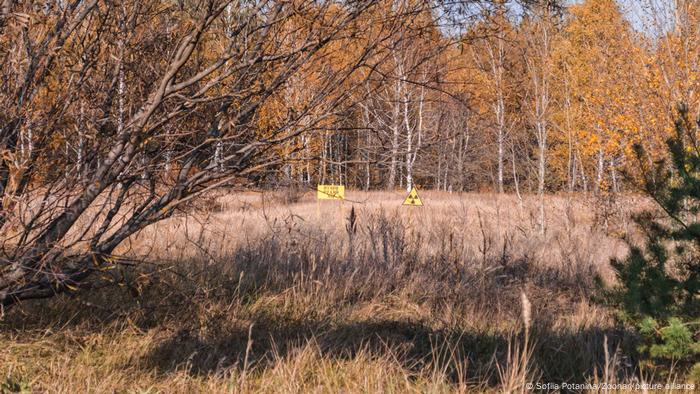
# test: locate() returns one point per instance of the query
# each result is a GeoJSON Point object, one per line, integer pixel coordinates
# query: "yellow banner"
{"type": "Point", "coordinates": [330, 192]}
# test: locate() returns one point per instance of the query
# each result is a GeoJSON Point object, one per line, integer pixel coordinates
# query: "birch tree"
{"type": "Point", "coordinates": [539, 68]}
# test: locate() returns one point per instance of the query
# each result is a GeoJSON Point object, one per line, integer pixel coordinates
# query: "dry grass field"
{"type": "Point", "coordinates": [254, 293]}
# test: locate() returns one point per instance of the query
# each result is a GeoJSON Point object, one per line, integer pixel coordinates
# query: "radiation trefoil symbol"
{"type": "Point", "coordinates": [413, 199]}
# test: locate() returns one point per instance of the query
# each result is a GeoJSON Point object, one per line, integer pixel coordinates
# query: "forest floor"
{"type": "Point", "coordinates": [276, 292]}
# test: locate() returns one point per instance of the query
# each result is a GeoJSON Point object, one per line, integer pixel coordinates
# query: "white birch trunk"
{"type": "Point", "coordinates": [599, 171]}
{"type": "Point", "coordinates": [496, 57]}
{"type": "Point", "coordinates": [394, 139]}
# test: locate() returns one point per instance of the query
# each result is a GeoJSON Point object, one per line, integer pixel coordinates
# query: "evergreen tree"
{"type": "Point", "coordinates": [659, 283]}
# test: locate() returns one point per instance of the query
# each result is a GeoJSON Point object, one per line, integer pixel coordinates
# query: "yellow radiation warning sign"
{"type": "Point", "coordinates": [330, 192]}
{"type": "Point", "coordinates": [413, 199]}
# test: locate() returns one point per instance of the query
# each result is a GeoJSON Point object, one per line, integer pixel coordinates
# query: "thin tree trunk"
{"type": "Point", "coordinates": [81, 141]}
{"type": "Point", "coordinates": [322, 164]}
{"type": "Point", "coordinates": [395, 136]}
{"type": "Point", "coordinates": [599, 171]}
{"type": "Point", "coordinates": [613, 175]}
{"type": "Point", "coordinates": [499, 158]}
{"type": "Point", "coordinates": [438, 173]}
{"type": "Point", "coordinates": [574, 170]}
{"type": "Point", "coordinates": [584, 178]}
{"type": "Point", "coordinates": [412, 152]}
{"type": "Point", "coordinates": [409, 144]}
{"type": "Point", "coordinates": [515, 179]}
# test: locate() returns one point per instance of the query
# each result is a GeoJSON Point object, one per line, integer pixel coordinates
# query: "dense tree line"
{"type": "Point", "coordinates": [538, 98]}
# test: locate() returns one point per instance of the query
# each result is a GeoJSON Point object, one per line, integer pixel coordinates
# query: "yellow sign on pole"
{"type": "Point", "coordinates": [413, 199]}
{"type": "Point", "coordinates": [330, 192]}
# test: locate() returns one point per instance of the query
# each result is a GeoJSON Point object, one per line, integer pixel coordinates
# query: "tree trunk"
{"type": "Point", "coordinates": [599, 171]}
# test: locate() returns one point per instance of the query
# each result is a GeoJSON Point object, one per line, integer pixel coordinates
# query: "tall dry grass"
{"type": "Point", "coordinates": [253, 294]}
